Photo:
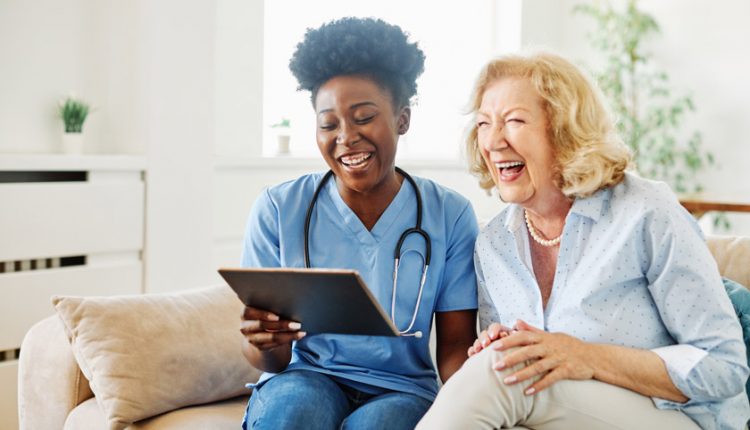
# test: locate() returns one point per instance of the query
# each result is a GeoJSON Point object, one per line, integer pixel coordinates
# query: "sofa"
{"type": "Point", "coordinates": [168, 361]}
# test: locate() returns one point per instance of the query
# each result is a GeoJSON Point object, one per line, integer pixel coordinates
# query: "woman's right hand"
{"type": "Point", "coordinates": [494, 332]}
{"type": "Point", "coordinates": [265, 330]}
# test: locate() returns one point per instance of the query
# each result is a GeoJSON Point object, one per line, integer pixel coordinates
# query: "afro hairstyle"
{"type": "Point", "coordinates": [359, 46]}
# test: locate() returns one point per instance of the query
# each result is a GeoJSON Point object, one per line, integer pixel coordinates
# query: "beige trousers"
{"type": "Point", "coordinates": [475, 397]}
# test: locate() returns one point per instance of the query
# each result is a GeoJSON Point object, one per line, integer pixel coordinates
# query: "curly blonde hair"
{"type": "Point", "coordinates": [590, 156]}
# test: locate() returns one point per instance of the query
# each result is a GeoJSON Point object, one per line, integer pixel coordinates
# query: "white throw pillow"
{"type": "Point", "coordinates": [148, 354]}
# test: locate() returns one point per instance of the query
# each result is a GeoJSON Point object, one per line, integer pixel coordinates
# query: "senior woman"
{"type": "Point", "coordinates": [618, 312]}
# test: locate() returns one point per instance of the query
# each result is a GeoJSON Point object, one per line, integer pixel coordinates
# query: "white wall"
{"type": "Point", "coordinates": [51, 48]}
{"type": "Point", "coordinates": [174, 81]}
{"type": "Point", "coordinates": [239, 78]}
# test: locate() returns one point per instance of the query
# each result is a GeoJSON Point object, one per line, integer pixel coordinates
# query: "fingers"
{"type": "Point", "coordinates": [546, 382]}
{"type": "Point", "coordinates": [255, 326]}
{"type": "Point", "coordinates": [536, 368]}
{"type": "Point", "coordinates": [268, 340]}
{"type": "Point", "coordinates": [266, 330]}
{"type": "Point", "coordinates": [494, 330]}
{"type": "Point", "coordinates": [532, 352]}
{"type": "Point", "coordinates": [518, 338]}
{"type": "Point", "coordinates": [523, 325]}
{"type": "Point", "coordinates": [251, 313]}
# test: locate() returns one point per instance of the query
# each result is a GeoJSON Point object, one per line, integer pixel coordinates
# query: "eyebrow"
{"type": "Point", "coordinates": [354, 106]}
{"type": "Point", "coordinates": [506, 112]}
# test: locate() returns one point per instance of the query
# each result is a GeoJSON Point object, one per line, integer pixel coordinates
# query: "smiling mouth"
{"type": "Point", "coordinates": [355, 159]}
{"type": "Point", "coordinates": [510, 169]}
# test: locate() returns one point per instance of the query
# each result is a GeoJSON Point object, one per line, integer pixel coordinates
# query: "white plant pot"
{"type": "Point", "coordinates": [282, 144]}
{"type": "Point", "coordinates": [72, 143]}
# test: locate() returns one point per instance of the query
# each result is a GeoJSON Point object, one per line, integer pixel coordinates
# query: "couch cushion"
{"type": "Point", "coordinates": [222, 415]}
{"type": "Point", "coordinates": [732, 256]}
{"type": "Point", "coordinates": [149, 354]}
{"type": "Point", "coordinates": [740, 297]}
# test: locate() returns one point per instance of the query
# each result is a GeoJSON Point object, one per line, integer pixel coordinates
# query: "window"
{"type": "Point", "coordinates": [456, 38]}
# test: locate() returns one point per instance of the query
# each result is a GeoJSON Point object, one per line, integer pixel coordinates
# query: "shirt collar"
{"type": "Point", "coordinates": [514, 219]}
{"type": "Point", "coordinates": [592, 207]}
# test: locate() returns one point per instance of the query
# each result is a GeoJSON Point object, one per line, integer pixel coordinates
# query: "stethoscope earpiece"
{"type": "Point", "coordinates": [417, 229]}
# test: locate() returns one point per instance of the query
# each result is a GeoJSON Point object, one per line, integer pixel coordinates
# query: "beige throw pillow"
{"type": "Point", "coordinates": [148, 354]}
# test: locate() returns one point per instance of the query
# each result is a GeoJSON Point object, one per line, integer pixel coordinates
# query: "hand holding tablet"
{"type": "Point", "coordinates": [322, 300]}
{"type": "Point", "coordinates": [265, 330]}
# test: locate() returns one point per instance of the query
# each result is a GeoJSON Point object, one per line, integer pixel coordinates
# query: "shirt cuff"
{"type": "Point", "coordinates": [680, 359]}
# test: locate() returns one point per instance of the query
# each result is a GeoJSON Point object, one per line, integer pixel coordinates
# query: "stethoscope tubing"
{"type": "Point", "coordinates": [417, 229]}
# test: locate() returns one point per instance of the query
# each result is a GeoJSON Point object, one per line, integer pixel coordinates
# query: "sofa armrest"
{"type": "Point", "coordinates": [50, 384]}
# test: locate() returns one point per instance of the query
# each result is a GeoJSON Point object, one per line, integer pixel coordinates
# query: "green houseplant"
{"type": "Point", "coordinates": [649, 113]}
{"type": "Point", "coordinates": [73, 112]}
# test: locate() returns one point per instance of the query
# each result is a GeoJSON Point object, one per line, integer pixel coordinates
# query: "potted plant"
{"type": "Point", "coordinates": [73, 113]}
{"type": "Point", "coordinates": [283, 129]}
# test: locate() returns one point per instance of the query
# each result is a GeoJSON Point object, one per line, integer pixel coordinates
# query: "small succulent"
{"type": "Point", "coordinates": [73, 113]}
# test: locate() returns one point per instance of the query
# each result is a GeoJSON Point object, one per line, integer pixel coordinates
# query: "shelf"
{"type": "Point", "coordinates": [64, 162]}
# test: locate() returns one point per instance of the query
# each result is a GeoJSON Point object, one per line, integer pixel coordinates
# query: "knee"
{"type": "Point", "coordinates": [483, 363]}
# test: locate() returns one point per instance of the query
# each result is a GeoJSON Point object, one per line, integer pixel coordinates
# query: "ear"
{"type": "Point", "coordinates": [404, 119]}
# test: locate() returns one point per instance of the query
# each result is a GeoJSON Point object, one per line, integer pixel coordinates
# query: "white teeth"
{"type": "Point", "coordinates": [507, 164]}
{"type": "Point", "coordinates": [353, 160]}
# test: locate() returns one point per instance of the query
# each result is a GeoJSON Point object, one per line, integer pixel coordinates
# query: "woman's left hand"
{"type": "Point", "coordinates": [553, 356]}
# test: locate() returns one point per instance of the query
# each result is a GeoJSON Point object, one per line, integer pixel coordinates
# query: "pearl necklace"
{"type": "Point", "coordinates": [534, 235]}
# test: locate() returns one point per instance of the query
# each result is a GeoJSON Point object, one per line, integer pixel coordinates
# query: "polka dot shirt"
{"type": "Point", "coordinates": [632, 270]}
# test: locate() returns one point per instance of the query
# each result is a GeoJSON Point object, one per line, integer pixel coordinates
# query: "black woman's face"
{"type": "Point", "coordinates": [358, 131]}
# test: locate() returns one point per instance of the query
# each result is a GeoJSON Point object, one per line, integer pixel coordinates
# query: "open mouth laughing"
{"type": "Point", "coordinates": [510, 170]}
{"type": "Point", "coordinates": [355, 160]}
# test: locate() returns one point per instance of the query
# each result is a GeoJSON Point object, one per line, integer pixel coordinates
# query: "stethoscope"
{"type": "Point", "coordinates": [397, 254]}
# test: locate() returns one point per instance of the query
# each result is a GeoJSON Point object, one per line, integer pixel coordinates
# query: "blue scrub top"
{"type": "Point", "coordinates": [338, 239]}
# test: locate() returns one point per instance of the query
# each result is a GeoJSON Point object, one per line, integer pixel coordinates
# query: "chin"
{"type": "Point", "coordinates": [512, 196]}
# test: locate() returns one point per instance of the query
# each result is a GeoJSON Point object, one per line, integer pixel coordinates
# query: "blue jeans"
{"type": "Point", "coordinates": [303, 399]}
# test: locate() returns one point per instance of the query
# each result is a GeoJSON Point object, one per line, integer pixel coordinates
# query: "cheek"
{"type": "Point", "coordinates": [323, 141]}
{"type": "Point", "coordinates": [482, 142]}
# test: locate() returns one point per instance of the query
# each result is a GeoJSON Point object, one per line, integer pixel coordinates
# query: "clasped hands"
{"type": "Point", "coordinates": [552, 356]}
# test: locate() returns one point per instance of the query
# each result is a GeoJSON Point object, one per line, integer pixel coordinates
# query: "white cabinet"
{"type": "Point", "coordinates": [69, 225]}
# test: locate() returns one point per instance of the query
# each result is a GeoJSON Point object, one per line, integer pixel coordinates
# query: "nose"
{"type": "Point", "coordinates": [493, 138]}
{"type": "Point", "coordinates": [347, 134]}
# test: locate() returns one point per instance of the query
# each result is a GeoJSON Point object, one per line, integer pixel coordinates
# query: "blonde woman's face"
{"type": "Point", "coordinates": [512, 135]}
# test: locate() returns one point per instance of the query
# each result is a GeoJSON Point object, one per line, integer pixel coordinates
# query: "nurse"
{"type": "Point", "coordinates": [362, 76]}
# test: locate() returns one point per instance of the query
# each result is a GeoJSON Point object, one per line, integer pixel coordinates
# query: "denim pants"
{"type": "Point", "coordinates": [303, 399]}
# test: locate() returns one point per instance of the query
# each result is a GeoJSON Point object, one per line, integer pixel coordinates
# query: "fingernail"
{"type": "Point", "coordinates": [498, 345]}
{"type": "Point", "coordinates": [295, 326]}
{"type": "Point", "coordinates": [301, 334]}
{"type": "Point", "coordinates": [485, 342]}
{"type": "Point", "coordinates": [530, 391]}
{"type": "Point", "coordinates": [510, 380]}
{"type": "Point", "coordinates": [272, 317]}
{"type": "Point", "coordinates": [500, 365]}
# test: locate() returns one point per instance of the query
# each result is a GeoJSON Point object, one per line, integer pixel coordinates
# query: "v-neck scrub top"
{"type": "Point", "coordinates": [274, 237]}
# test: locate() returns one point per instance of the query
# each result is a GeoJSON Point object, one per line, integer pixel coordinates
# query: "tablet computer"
{"type": "Point", "coordinates": [322, 300]}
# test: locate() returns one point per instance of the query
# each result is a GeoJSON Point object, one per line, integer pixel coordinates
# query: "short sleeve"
{"type": "Point", "coordinates": [459, 287]}
{"type": "Point", "coordinates": [261, 244]}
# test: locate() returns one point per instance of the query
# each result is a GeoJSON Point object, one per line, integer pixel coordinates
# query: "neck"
{"type": "Point", "coordinates": [548, 216]}
{"type": "Point", "coordinates": [369, 205]}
